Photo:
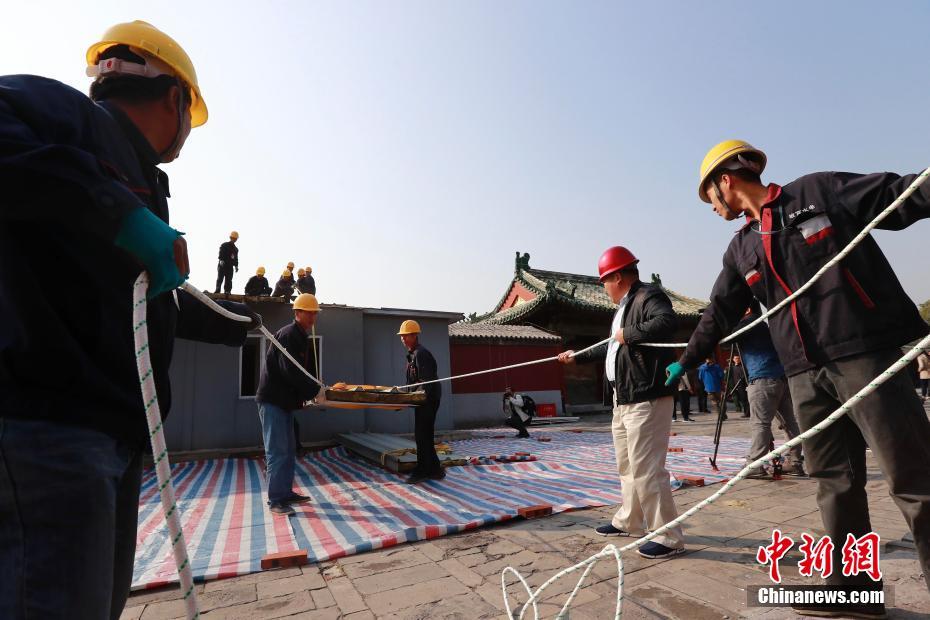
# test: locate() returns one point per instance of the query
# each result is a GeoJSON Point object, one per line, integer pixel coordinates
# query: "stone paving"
{"type": "Point", "coordinates": [459, 576]}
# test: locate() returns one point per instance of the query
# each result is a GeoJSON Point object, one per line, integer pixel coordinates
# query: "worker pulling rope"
{"type": "Point", "coordinates": [160, 452]}
{"type": "Point", "coordinates": [611, 549]}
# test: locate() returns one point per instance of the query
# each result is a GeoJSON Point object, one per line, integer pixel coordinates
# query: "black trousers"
{"type": "Point", "coordinates": [684, 403]}
{"type": "Point", "coordinates": [224, 272]}
{"type": "Point", "coordinates": [892, 422]}
{"type": "Point", "coordinates": [423, 429]}
{"type": "Point", "coordinates": [702, 400]}
{"type": "Point", "coordinates": [517, 423]}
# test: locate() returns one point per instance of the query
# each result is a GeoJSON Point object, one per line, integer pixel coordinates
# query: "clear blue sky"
{"type": "Point", "coordinates": [406, 150]}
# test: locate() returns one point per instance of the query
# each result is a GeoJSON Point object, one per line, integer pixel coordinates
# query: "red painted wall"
{"type": "Point", "coordinates": [517, 290]}
{"type": "Point", "coordinates": [465, 358]}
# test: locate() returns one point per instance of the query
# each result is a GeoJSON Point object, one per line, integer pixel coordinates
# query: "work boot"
{"type": "Point", "coordinates": [281, 508]}
{"type": "Point", "coordinates": [297, 498]}
{"type": "Point", "coordinates": [439, 475]}
{"type": "Point", "coordinates": [795, 469]}
{"type": "Point", "coordinates": [758, 473]}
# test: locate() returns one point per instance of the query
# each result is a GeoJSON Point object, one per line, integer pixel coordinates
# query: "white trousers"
{"type": "Point", "coordinates": [640, 435]}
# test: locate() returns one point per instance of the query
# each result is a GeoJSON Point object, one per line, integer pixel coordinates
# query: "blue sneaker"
{"type": "Point", "coordinates": [658, 551]}
{"type": "Point", "coordinates": [610, 530]}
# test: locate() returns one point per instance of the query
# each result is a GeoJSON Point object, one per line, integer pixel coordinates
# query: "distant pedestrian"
{"type": "Point", "coordinates": [712, 377]}
{"type": "Point", "coordinates": [923, 367]}
{"type": "Point", "coordinates": [684, 400]}
{"type": "Point", "coordinates": [520, 409]}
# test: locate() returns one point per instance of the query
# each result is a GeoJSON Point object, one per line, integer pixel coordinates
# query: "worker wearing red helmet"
{"type": "Point", "coordinates": [642, 402]}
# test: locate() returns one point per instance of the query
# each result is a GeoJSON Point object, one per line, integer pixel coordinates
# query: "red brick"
{"type": "Point", "coordinates": [531, 512]}
{"type": "Point", "coordinates": [676, 449]}
{"type": "Point", "coordinates": [693, 481]}
{"type": "Point", "coordinates": [284, 559]}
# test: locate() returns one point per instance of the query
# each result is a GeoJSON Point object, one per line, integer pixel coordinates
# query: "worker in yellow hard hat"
{"type": "Point", "coordinates": [258, 284]}
{"type": "Point", "coordinates": [421, 366]}
{"type": "Point", "coordinates": [832, 340]}
{"type": "Point", "coordinates": [285, 285]}
{"type": "Point", "coordinates": [282, 390]}
{"type": "Point", "coordinates": [81, 182]}
{"type": "Point", "coordinates": [306, 283]}
{"type": "Point", "coordinates": [228, 260]}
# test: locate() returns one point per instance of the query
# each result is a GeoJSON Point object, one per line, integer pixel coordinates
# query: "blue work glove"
{"type": "Point", "coordinates": [150, 240]}
{"type": "Point", "coordinates": [674, 371]}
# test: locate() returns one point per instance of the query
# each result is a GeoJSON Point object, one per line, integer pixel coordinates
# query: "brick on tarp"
{"type": "Point", "coordinates": [691, 481]}
{"type": "Point", "coordinates": [531, 512]}
{"type": "Point", "coordinates": [284, 559]}
{"type": "Point", "coordinates": [544, 439]}
{"type": "Point", "coordinates": [676, 449]}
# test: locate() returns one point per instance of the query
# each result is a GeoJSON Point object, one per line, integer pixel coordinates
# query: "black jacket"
{"type": "Point", "coordinates": [70, 170]}
{"type": "Point", "coordinates": [640, 371]}
{"type": "Point", "coordinates": [421, 366]}
{"type": "Point", "coordinates": [257, 285]}
{"type": "Point", "coordinates": [856, 307]}
{"type": "Point", "coordinates": [282, 384]}
{"type": "Point", "coordinates": [228, 254]}
{"type": "Point", "coordinates": [306, 285]}
{"type": "Point", "coordinates": [284, 288]}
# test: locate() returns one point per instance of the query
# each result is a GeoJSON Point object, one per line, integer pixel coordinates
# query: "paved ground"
{"type": "Point", "coordinates": [459, 576]}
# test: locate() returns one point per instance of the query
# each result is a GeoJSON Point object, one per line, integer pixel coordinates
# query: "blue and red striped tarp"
{"type": "Point", "coordinates": [357, 506]}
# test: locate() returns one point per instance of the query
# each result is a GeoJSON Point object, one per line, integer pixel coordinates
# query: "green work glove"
{"type": "Point", "coordinates": [150, 240]}
{"type": "Point", "coordinates": [674, 371]}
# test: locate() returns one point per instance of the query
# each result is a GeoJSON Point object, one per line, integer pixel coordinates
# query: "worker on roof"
{"type": "Point", "coordinates": [81, 186]}
{"type": "Point", "coordinates": [284, 286]}
{"type": "Point", "coordinates": [306, 283]}
{"type": "Point", "coordinates": [834, 339]}
{"type": "Point", "coordinates": [283, 389]}
{"type": "Point", "coordinates": [643, 404]}
{"type": "Point", "coordinates": [228, 260]}
{"type": "Point", "coordinates": [258, 284]}
{"type": "Point", "coordinates": [421, 366]}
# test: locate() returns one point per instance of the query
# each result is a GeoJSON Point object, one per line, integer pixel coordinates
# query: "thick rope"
{"type": "Point", "coordinates": [484, 372]}
{"type": "Point", "coordinates": [159, 450]}
{"type": "Point", "coordinates": [611, 549]}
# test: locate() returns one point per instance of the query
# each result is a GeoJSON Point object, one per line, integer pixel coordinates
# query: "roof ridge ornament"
{"type": "Point", "coordinates": [657, 280]}
{"type": "Point", "coordinates": [522, 262]}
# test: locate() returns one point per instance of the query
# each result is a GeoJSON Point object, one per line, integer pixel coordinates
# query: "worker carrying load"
{"type": "Point", "coordinates": [845, 331]}
{"type": "Point", "coordinates": [282, 389]}
{"type": "Point", "coordinates": [520, 409]}
{"type": "Point", "coordinates": [305, 282]}
{"type": "Point", "coordinates": [285, 285]}
{"type": "Point", "coordinates": [228, 260]}
{"type": "Point", "coordinates": [258, 284]}
{"type": "Point", "coordinates": [421, 366]}
{"type": "Point", "coordinates": [81, 186]}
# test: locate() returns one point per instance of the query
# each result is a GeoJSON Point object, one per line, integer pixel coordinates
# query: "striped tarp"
{"type": "Point", "coordinates": [357, 506]}
{"type": "Point", "coordinates": [226, 524]}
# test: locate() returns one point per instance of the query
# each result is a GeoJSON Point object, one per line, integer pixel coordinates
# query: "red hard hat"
{"type": "Point", "coordinates": [614, 259]}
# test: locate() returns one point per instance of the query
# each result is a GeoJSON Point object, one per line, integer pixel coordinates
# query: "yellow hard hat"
{"type": "Point", "coordinates": [308, 302]}
{"type": "Point", "coordinates": [409, 327]}
{"type": "Point", "coordinates": [308, 269]}
{"type": "Point", "coordinates": [725, 151]}
{"type": "Point", "coordinates": [301, 272]}
{"type": "Point", "coordinates": [286, 273]}
{"type": "Point", "coordinates": [234, 235]}
{"type": "Point", "coordinates": [146, 38]}
{"type": "Point", "coordinates": [260, 271]}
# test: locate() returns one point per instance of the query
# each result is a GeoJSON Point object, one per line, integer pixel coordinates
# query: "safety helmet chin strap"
{"type": "Point", "coordinates": [722, 201]}
{"type": "Point", "coordinates": [175, 145]}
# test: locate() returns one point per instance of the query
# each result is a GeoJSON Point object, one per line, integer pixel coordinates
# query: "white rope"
{"type": "Point", "coordinates": [188, 287]}
{"type": "Point", "coordinates": [484, 372]}
{"type": "Point", "coordinates": [833, 417]}
{"type": "Point", "coordinates": [836, 259]}
{"type": "Point", "coordinates": [159, 450]}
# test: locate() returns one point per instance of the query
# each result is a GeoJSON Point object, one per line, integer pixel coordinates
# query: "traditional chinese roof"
{"type": "Point", "coordinates": [488, 331]}
{"type": "Point", "coordinates": [579, 291]}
